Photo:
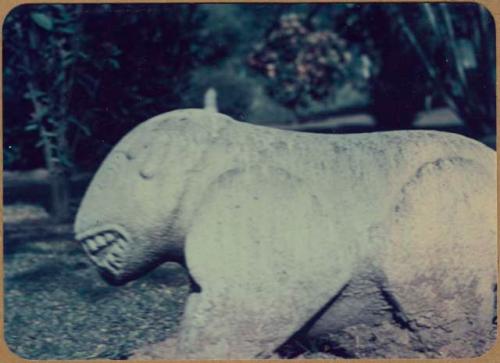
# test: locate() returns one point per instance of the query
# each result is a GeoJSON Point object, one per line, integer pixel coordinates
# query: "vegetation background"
{"type": "Point", "coordinates": [78, 77]}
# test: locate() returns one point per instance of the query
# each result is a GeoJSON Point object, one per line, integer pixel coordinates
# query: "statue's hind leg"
{"type": "Point", "coordinates": [441, 262]}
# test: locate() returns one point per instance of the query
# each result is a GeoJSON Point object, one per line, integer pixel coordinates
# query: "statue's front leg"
{"type": "Point", "coordinates": [218, 327]}
{"type": "Point", "coordinates": [254, 251]}
{"type": "Point", "coordinates": [163, 350]}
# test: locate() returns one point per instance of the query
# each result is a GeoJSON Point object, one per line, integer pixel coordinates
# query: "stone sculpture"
{"type": "Point", "coordinates": [284, 232]}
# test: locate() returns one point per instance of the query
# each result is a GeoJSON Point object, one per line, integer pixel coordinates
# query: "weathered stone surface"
{"type": "Point", "coordinates": [385, 242]}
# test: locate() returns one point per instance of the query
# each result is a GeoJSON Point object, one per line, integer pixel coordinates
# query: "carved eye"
{"type": "Point", "coordinates": [154, 158]}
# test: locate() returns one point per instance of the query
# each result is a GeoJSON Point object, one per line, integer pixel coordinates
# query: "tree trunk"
{"type": "Point", "coordinates": [60, 195]}
{"type": "Point", "coordinates": [59, 181]}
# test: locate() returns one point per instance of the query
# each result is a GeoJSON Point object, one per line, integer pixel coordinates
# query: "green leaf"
{"type": "Point", "coordinates": [114, 63]}
{"type": "Point", "coordinates": [67, 30]}
{"type": "Point", "coordinates": [33, 94]}
{"type": "Point", "coordinates": [59, 79]}
{"type": "Point", "coordinates": [68, 60]}
{"type": "Point", "coordinates": [40, 113]}
{"type": "Point", "coordinates": [43, 21]}
{"type": "Point", "coordinates": [51, 121]}
{"type": "Point", "coordinates": [83, 55]}
{"type": "Point", "coordinates": [64, 159]}
{"type": "Point", "coordinates": [80, 125]}
{"type": "Point", "coordinates": [84, 129]}
{"type": "Point", "coordinates": [33, 39]}
{"type": "Point", "coordinates": [49, 134]}
{"type": "Point", "coordinates": [31, 127]}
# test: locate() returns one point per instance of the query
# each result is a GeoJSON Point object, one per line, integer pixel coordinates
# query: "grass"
{"type": "Point", "coordinates": [58, 307]}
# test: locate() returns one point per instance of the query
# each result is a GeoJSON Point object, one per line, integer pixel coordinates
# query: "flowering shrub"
{"type": "Point", "coordinates": [301, 64]}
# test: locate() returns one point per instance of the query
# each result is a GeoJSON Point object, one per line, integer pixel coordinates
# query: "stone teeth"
{"type": "Point", "coordinates": [97, 261]}
{"type": "Point", "coordinates": [112, 260]}
{"type": "Point", "coordinates": [85, 247]}
{"type": "Point", "coordinates": [107, 264]}
{"type": "Point", "coordinates": [92, 245]}
{"type": "Point", "coordinates": [101, 241]}
{"type": "Point", "coordinates": [120, 243]}
{"type": "Point", "coordinates": [113, 264]}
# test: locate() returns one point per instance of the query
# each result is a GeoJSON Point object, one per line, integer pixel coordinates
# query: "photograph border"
{"type": "Point", "coordinates": [7, 356]}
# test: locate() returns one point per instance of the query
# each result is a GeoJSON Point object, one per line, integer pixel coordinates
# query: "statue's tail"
{"type": "Point", "coordinates": [210, 100]}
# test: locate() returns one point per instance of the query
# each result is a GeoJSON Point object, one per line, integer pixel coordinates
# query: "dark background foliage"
{"type": "Point", "coordinates": [78, 77]}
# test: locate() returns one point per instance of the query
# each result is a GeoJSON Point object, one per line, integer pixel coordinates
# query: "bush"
{"type": "Point", "coordinates": [303, 65]}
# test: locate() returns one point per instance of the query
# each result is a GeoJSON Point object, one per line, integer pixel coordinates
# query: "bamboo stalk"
{"type": "Point", "coordinates": [416, 45]}
{"type": "Point", "coordinates": [453, 45]}
{"type": "Point", "coordinates": [431, 17]}
{"type": "Point", "coordinates": [488, 48]}
{"type": "Point", "coordinates": [427, 64]}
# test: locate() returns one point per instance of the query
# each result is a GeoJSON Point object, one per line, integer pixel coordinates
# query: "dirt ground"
{"type": "Point", "coordinates": [57, 306]}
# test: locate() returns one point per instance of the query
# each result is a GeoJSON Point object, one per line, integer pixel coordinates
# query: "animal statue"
{"type": "Point", "coordinates": [285, 232]}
